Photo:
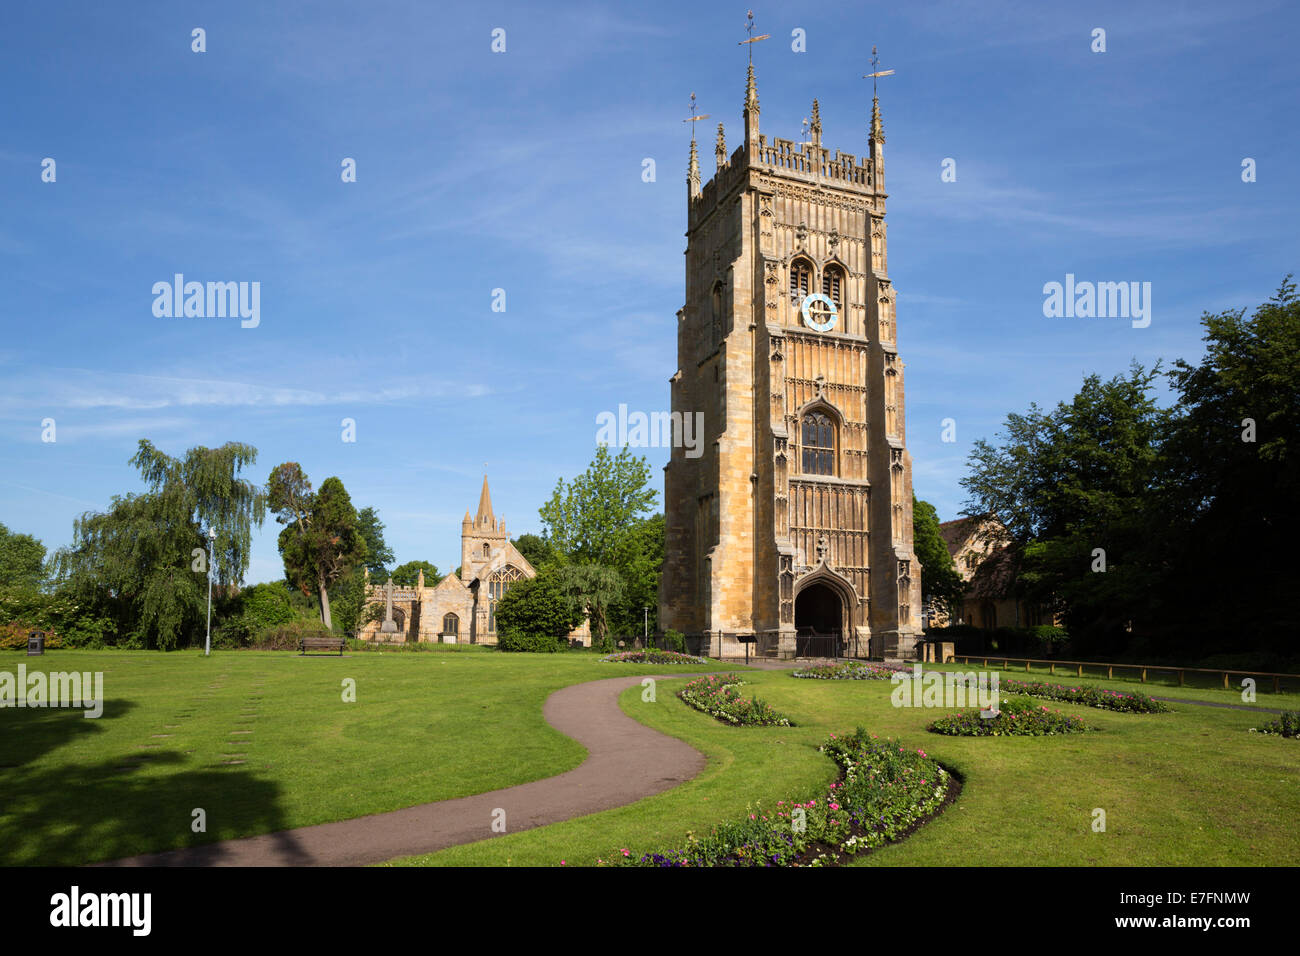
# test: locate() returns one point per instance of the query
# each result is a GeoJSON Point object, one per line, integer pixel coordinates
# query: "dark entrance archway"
{"type": "Point", "coordinates": [818, 621]}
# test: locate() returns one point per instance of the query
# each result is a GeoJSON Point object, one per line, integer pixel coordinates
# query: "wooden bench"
{"type": "Point", "coordinates": [306, 644]}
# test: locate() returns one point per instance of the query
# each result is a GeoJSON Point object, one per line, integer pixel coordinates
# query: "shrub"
{"type": "Point", "coordinates": [1016, 717]}
{"type": "Point", "coordinates": [537, 606]}
{"type": "Point", "coordinates": [285, 637]}
{"type": "Point", "coordinates": [261, 608]}
{"type": "Point", "coordinates": [13, 637]}
{"type": "Point", "coordinates": [885, 791]}
{"type": "Point", "coordinates": [519, 641]}
{"type": "Point", "coordinates": [675, 641]}
{"type": "Point", "coordinates": [1286, 724]}
{"type": "Point", "coordinates": [848, 670]}
{"type": "Point", "coordinates": [716, 695]}
{"type": "Point", "coordinates": [1123, 701]}
{"type": "Point", "coordinates": [652, 656]}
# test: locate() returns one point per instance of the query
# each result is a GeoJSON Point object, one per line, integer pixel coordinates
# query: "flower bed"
{"type": "Point", "coordinates": [1129, 703]}
{"type": "Point", "coordinates": [1017, 717]}
{"type": "Point", "coordinates": [848, 670]}
{"type": "Point", "coordinates": [1286, 724]}
{"type": "Point", "coordinates": [651, 656]}
{"type": "Point", "coordinates": [716, 694]}
{"type": "Point", "coordinates": [886, 792]}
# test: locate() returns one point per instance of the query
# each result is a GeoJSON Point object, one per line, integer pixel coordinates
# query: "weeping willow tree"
{"type": "Point", "coordinates": [144, 561]}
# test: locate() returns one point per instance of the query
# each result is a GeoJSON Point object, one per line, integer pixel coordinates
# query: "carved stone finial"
{"type": "Point", "coordinates": [816, 128]}
{"type": "Point", "coordinates": [693, 172]}
{"type": "Point", "coordinates": [720, 150]}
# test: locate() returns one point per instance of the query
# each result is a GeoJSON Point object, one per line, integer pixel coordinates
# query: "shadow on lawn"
{"type": "Point", "coordinates": [79, 813]}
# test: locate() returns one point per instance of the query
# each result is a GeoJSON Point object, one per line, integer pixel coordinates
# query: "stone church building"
{"type": "Point", "coordinates": [794, 527]}
{"type": "Point", "coordinates": [460, 609]}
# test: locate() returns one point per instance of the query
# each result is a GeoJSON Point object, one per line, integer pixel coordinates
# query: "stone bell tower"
{"type": "Point", "coordinates": [795, 524]}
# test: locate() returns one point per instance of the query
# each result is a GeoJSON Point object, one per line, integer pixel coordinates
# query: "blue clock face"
{"type": "Point", "coordinates": [819, 312]}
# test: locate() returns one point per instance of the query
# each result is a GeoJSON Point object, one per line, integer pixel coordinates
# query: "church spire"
{"type": "Point", "coordinates": [484, 504]}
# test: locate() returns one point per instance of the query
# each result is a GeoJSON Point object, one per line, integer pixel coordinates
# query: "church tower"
{"type": "Point", "coordinates": [796, 520]}
{"type": "Point", "coordinates": [481, 538]}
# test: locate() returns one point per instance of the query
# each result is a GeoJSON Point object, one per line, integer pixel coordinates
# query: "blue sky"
{"type": "Point", "coordinates": [522, 171]}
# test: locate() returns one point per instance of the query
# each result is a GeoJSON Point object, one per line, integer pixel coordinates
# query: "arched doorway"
{"type": "Point", "coordinates": [818, 621]}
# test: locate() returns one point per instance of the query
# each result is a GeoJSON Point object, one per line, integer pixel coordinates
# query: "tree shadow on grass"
{"type": "Point", "coordinates": [78, 813]}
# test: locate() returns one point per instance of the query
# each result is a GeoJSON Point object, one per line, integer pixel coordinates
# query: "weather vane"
{"type": "Point", "coordinates": [749, 28]}
{"type": "Point", "coordinates": [693, 118]}
{"type": "Point", "coordinates": [875, 61]}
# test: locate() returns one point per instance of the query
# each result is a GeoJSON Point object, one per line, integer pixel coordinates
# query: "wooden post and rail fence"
{"type": "Point", "coordinates": [1182, 672]}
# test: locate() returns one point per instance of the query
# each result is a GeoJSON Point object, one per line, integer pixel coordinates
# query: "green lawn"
{"type": "Point", "coordinates": [425, 727]}
{"type": "Point", "coordinates": [1191, 787]}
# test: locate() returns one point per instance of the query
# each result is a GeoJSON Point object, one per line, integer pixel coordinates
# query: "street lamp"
{"type": "Point", "coordinates": [647, 624]}
{"type": "Point", "coordinates": [212, 540]}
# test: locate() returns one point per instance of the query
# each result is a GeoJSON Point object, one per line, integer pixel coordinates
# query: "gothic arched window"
{"type": "Point", "coordinates": [487, 551]}
{"type": "Point", "coordinates": [818, 441]}
{"type": "Point", "coordinates": [833, 286]}
{"type": "Point", "coordinates": [498, 584]}
{"type": "Point", "coordinates": [450, 624]}
{"type": "Point", "coordinates": [801, 281]}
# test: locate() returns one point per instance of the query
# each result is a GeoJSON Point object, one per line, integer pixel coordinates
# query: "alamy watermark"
{"type": "Point", "coordinates": [57, 689]}
{"type": "Point", "coordinates": [652, 430]}
{"type": "Point", "coordinates": [1102, 300]}
{"type": "Point", "coordinates": [946, 689]}
{"type": "Point", "coordinates": [213, 300]}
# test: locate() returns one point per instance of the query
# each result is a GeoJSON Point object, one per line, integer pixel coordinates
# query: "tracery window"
{"type": "Point", "coordinates": [450, 624]}
{"type": "Point", "coordinates": [499, 582]}
{"type": "Point", "coordinates": [818, 441]}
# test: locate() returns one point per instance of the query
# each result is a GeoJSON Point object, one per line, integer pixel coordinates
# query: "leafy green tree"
{"type": "Point", "coordinates": [639, 565]}
{"type": "Point", "coordinates": [378, 554]}
{"type": "Point", "coordinates": [1073, 487]}
{"type": "Point", "coordinates": [588, 521]}
{"type": "Point", "coordinates": [537, 606]}
{"type": "Point", "coordinates": [940, 580]}
{"type": "Point", "coordinates": [321, 541]}
{"type": "Point", "coordinates": [535, 549]}
{"type": "Point", "coordinates": [143, 564]}
{"type": "Point", "coordinates": [22, 560]}
{"type": "Point", "coordinates": [593, 589]}
{"type": "Point", "coordinates": [406, 575]}
{"type": "Point", "coordinates": [1227, 505]}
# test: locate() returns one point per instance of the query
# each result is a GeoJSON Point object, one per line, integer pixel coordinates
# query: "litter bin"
{"type": "Point", "coordinates": [35, 643]}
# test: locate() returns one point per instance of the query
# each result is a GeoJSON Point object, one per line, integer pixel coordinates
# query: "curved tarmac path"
{"type": "Point", "coordinates": [626, 761]}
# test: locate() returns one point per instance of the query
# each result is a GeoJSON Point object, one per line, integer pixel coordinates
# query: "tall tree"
{"type": "Point", "coordinates": [378, 554]}
{"type": "Point", "coordinates": [1226, 507]}
{"type": "Point", "coordinates": [940, 580]}
{"type": "Point", "coordinates": [1073, 488]}
{"type": "Point", "coordinates": [320, 542]}
{"type": "Point", "coordinates": [639, 563]}
{"type": "Point", "coordinates": [144, 562]}
{"type": "Point", "coordinates": [589, 520]}
{"type": "Point", "coordinates": [22, 560]}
